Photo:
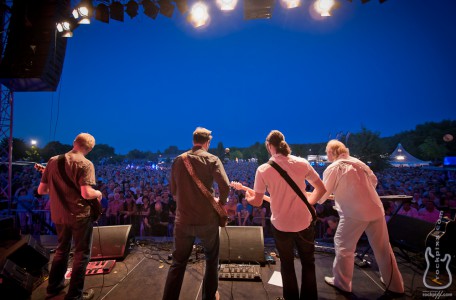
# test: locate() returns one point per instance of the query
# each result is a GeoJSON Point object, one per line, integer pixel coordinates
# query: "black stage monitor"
{"type": "Point", "coordinates": [110, 242]}
{"type": "Point", "coordinates": [242, 244]}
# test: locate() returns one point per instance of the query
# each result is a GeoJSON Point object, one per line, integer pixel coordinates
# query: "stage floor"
{"type": "Point", "coordinates": [142, 275]}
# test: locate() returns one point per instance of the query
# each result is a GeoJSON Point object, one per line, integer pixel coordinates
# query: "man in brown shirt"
{"type": "Point", "coordinates": [195, 215]}
{"type": "Point", "coordinates": [71, 214]}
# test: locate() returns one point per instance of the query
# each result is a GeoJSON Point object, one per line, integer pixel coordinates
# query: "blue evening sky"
{"type": "Point", "coordinates": [147, 84]}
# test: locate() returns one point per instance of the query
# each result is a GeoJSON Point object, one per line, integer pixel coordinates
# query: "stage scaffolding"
{"type": "Point", "coordinates": [6, 117]}
{"type": "Point", "coordinates": [6, 139]}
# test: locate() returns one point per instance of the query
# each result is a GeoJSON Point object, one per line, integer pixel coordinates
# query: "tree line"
{"type": "Point", "coordinates": [425, 142]}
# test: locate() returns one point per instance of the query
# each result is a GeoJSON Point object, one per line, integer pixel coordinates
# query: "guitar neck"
{"type": "Point", "coordinates": [245, 188]}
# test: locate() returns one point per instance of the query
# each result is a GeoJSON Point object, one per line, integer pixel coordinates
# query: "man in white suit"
{"type": "Point", "coordinates": [360, 209]}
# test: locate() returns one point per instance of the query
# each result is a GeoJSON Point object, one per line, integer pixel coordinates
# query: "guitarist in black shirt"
{"type": "Point", "coordinates": [69, 179]}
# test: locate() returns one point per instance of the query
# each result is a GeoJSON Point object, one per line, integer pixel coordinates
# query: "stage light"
{"type": "Point", "coordinates": [226, 4]}
{"type": "Point", "coordinates": [150, 9]}
{"type": "Point", "coordinates": [83, 12]}
{"type": "Point", "coordinates": [166, 8]}
{"type": "Point", "coordinates": [102, 13]}
{"type": "Point", "coordinates": [382, 1]}
{"type": "Point", "coordinates": [323, 7]}
{"type": "Point", "coordinates": [65, 29]}
{"type": "Point", "coordinates": [290, 3]}
{"type": "Point", "coordinates": [117, 11]}
{"type": "Point", "coordinates": [364, 1]}
{"type": "Point", "coordinates": [199, 14]}
{"type": "Point", "coordinates": [132, 9]}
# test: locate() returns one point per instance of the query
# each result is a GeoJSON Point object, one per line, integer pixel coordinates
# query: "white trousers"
{"type": "Point", "coordinates": [347, 235]}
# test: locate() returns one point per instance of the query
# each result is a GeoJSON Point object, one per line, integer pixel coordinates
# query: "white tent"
{"type": "Point", "coordinates": [401, 158]}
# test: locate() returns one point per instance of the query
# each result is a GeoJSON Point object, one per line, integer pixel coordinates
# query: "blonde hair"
{"type": "Point", "coordinates": [337, 148]}
{"type": "Point", "coordinates": [201, 135]}
{"type": "Point", "coordinates": [85, 141]}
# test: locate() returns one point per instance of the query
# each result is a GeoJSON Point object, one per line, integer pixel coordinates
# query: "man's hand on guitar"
{"type": "Point", "coordinates": [237, 186]}
{"type": "Point", "coordinates": [249, 192]}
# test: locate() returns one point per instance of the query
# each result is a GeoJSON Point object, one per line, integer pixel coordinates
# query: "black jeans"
{"type": "Point", "coordinates": [81, 233]}
{"type": "Point", "coordinates": [184, 238]}
{"type": "Point", "coordinates": [305, 243]}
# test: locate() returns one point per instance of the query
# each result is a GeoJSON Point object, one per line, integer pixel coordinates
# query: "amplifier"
{"type": "Point", "coordinates": [28, 254]}
{"type": "Point", "coordinates": [16, 281]}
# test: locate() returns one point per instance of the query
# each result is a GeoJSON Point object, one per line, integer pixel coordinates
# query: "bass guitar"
{"type": "Point", "coordinates": [95, 206]}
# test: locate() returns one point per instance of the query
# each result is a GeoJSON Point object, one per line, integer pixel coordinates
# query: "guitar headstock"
{"type": "Point", "coordinates": [40, 168]}
{"type": "Point", "coordinates": [237, 185]}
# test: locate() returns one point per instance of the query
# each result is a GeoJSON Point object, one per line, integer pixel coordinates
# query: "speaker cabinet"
{"type": "Point", "coordinates": [16, 281]}
{"type": "Point", "coordinates": [242, 244]}
{"type": "Point", "coordinates": [34, 52]}
{"type": "Point", "coordinates": [409, 233]}
{"type": "Point", "coordinates": [29, 255]}
{"type": "Point", "coordinates": [110, 242]}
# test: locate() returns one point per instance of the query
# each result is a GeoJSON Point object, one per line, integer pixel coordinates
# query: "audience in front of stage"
{"type": "Point", "coordinates": [243, 213]}
{"type": "Point", "coordinates": [141, 179]}
{"type": "Point", "coordinates": [429, 213]}
{"type": "Point", "coordinates": [408, 210]}
{"type": "Point", "coordinates": [259, 216]}
{"type": "Point", "coordinates": [230, 207]}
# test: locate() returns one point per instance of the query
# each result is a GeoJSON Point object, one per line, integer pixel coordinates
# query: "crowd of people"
{"type": "Point", "coordinates": [138, 193]}
{"type": "Point", "coordinates": [188, 198]}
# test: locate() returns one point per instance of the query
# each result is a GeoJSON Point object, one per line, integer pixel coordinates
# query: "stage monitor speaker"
{"type": "Point", "coordinates": [34, 52]}
{"type": "Point", "coordinates": [110, 242]}
{"type": "Point", "coordinates": [16, 281]}
{"type": "Point", "coordinates": [242, 244]}
{"type": "Point", "coordinates": [28, 254]}
{"type": "Point", "coordinates": [409, 233]}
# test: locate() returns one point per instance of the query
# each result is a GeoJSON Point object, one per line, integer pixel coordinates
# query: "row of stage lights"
{"type": "Point", "coordinates": [197, 15]}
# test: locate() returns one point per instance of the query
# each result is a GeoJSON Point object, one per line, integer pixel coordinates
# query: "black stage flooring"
{"type": "Point", "coordinates": [142, 274]}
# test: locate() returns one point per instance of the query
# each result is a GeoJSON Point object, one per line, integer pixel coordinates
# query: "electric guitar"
{"type": "Point", "coordinates": [95, 206]}
{"type": "Point", "coordinates": [238, 186]}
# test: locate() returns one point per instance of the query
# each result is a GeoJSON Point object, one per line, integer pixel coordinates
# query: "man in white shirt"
{"type": "Point", "coordinates": [360, 209]}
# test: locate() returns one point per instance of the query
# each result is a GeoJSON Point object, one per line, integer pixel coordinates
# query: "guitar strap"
{"type": "Point", "coordinates": [295, 187]}
{"type": "Point", "coordinates": [70, 183]}
{"type": "Point", "coordinates": [63, 173]}
{"type": "Point", "coordinates": [64, 176]}
{"type": "Point", "coordinates": [218, 208]}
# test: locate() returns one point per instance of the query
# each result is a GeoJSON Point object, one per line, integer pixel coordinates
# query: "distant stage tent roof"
{"type": "Point", "coordinates": [401, 158]}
